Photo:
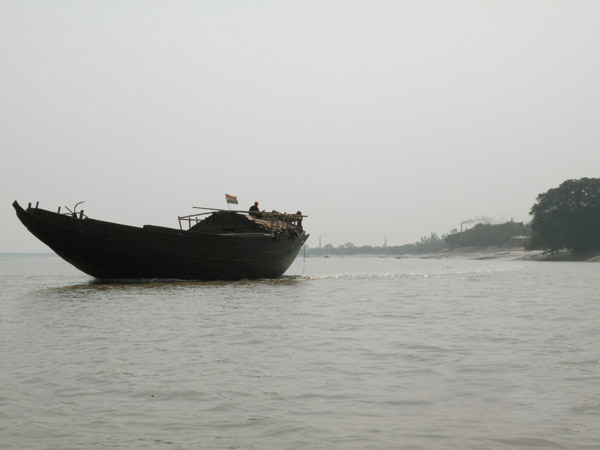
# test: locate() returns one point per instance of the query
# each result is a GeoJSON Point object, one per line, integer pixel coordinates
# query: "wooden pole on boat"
{"type": "Point", "coordinates": [235, 210]}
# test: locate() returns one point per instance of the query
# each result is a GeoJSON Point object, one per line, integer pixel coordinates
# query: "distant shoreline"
{"type": "Point", "coordinates": [486, 253]}
{"type": "Point", "coordinates": [27, 255]}
{"type": "Point", "coordinates": [518, 254]}
{"type": "Point", "coordinates": [472, 253]}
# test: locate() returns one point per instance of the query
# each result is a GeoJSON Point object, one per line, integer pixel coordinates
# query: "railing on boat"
{"type": "Point", "coordinates": [274, 220]}
{"type": "Point", "coordinates": [71, 213]}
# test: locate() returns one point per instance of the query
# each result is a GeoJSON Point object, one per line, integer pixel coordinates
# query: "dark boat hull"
{"type": "Point", "coordinates": [108, 250]}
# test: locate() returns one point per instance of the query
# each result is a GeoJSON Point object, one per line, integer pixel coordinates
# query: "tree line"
{"type": "Point", "coordinates": [481, 235]}
{"type": "Point", "coordinates": [565, 217]}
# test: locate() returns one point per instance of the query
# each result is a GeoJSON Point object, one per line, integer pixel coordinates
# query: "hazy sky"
{"type": "Point", "coordinates": [375, 118]}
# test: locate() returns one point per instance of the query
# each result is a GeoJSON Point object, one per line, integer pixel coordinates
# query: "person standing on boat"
{"type": "Point", "coordinates": [299, 219]}
{"type": "Point", "coordinates": [254, 211]}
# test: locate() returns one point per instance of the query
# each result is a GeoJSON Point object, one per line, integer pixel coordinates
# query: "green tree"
{"type": "Point", "coordinates": [568, 217]}
{"type": "Point", "coordinates": [486, 235]}
{"type": "Point", "coordinates": [429, 244]}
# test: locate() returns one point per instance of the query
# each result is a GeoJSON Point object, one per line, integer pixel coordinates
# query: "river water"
{"type": "Point", "coordinates": [341, 353]}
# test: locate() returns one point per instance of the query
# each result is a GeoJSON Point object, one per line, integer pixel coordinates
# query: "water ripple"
{"type": "Point", "coordinates": [353, 354]}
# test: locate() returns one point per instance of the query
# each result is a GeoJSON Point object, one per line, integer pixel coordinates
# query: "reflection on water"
{"type": "Point", "coordinates": [357, 353]}
{"type": "Point", "coordinates": [162, 285]}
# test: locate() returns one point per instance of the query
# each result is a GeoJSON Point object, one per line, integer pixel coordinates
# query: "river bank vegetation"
{"type": "Point", "coordinates": [565, 225]}
{"type": "Point", "coordinates": [481, 235]}
{"type": "Point", "coordinates": [567, 217]}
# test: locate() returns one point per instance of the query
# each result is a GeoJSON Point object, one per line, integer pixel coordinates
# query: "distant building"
{"type": "Point", "coordinates": [518, 241]}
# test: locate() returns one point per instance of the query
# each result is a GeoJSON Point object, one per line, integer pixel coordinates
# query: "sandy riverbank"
{"type": "Point", "coordinates": [513, 254]}
{"type": "Point", "coordinates": [478, 253]}
{"type": "Point", "coordinates": [492, 253]}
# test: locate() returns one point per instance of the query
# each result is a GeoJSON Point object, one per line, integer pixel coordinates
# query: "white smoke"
{"type": "Point", "coordinates": [477, 219]}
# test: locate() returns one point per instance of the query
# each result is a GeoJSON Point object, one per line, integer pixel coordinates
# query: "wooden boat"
{"type": "Point", "coordinates": [217, 244]}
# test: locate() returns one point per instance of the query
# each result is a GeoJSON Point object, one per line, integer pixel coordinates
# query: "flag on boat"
{"type": "Point", "coordinates": [231, 199]}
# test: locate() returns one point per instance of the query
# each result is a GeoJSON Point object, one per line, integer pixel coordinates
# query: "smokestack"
{"type": "Point", "coordinates": [323, 235]}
